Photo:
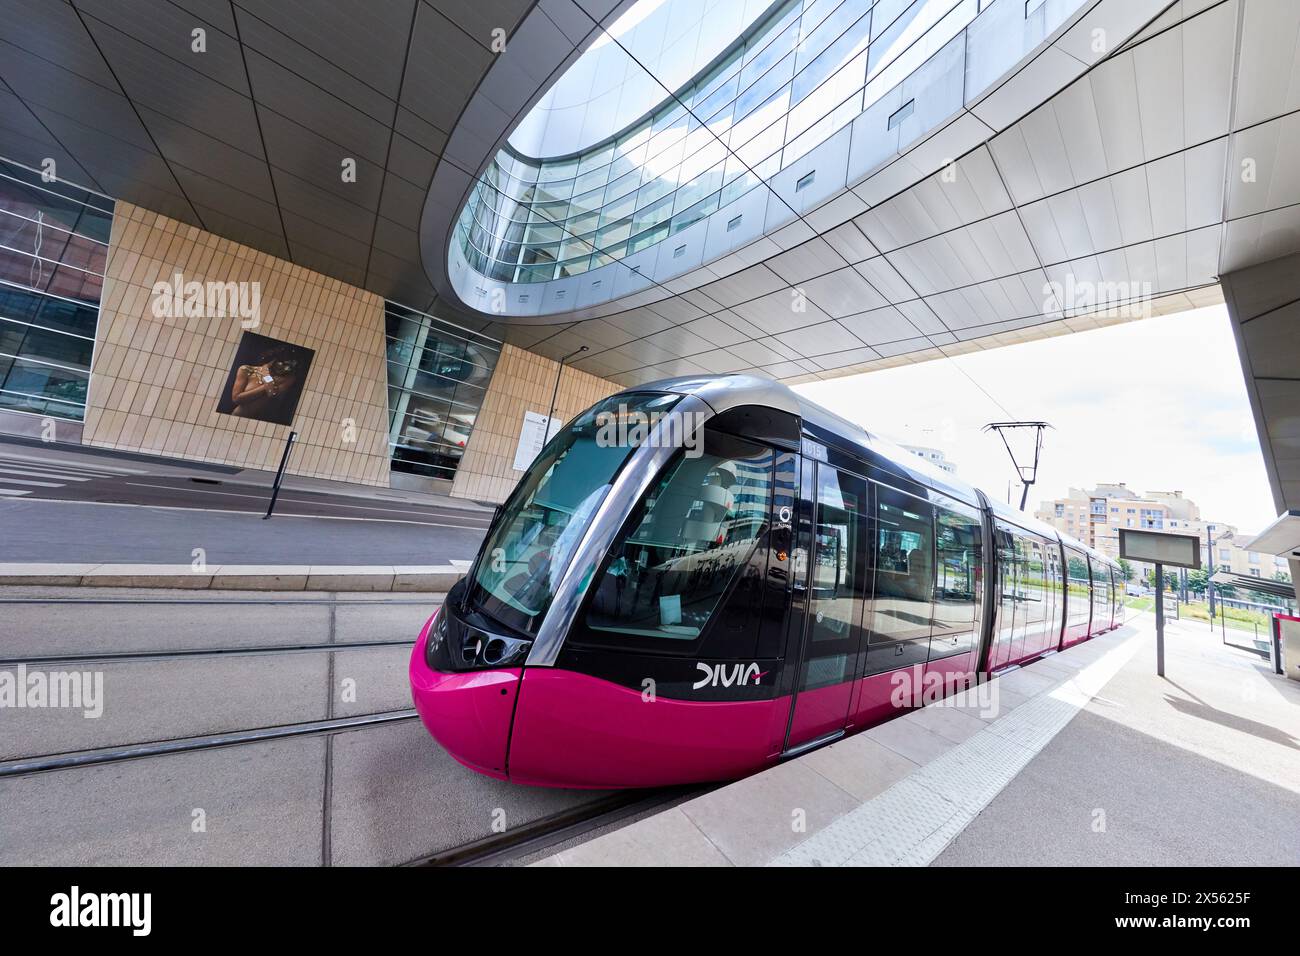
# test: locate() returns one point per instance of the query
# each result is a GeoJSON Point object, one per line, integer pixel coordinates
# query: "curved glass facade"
{"type": "Point", "coordinates": [656, 45]}
{"type": "Point", "coordinates": [805, 71]}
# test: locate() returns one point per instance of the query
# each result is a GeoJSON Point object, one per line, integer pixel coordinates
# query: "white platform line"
{"type": "Point", "coordinates": [35, 484]}
{"type": "Point", "coordinates": [89, 466]}
{"type": "Point", "coordinates": [31, 473]}
{"type": "Point", "coordinates": [14, 491]}
{"type": "Point", "coordinates": [263, 495]}
{"type": "Point", "coordinates": [75, 503]}
{"type": "Point", "coordinates": [914, 820]}
{"type": "Point", "coordinates": [55, 466]}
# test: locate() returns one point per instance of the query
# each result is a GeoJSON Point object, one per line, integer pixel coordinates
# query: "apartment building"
{"type": "Point", "coordinates": [1095, 516]}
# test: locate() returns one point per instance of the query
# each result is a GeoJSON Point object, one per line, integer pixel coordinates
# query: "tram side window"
{"type": "Point", "coordinates": [1035, 590]}
{"type": "Point", "coordinates": [1054, 589]}
{"type": "Point", "coordinates": [958, 540]}
{"type": "Point", "coordinates": [1009, 610]}
{"type": "Point", "coordinates": [1079, 596]}
{"type": "Point", "coordinates": [837, 585]}
{"type": "Point", "coordinates": [696, 526]}
{"type": "Point", "coordinates": [903, 599]}
{"type": "Point", "coordinates": [1100, 596]}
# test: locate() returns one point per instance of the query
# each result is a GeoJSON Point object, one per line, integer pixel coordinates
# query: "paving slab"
{"type": "Point", "coordinates": [371, 681]}
{"type": "Point", "coordinates": [667, 839]}
{"type": "Point", "coordinates": [84, 626]}
{"type": "Point", "coordinates": [397, 796]}
{"type": "Point", "coordinates": [153, 700]}
{"type": "Point", "coordinates": [261, 805]}
{"type": "Point", "coordinates": [860, 766]}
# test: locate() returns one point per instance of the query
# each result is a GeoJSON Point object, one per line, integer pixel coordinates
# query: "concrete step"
{"type": "Point", "coordinates": [239, 577]}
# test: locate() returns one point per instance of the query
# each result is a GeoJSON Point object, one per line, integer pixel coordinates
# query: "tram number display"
{"type": "Point", "coordinates": [813, 449]}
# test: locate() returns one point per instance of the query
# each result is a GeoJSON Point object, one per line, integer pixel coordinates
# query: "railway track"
{"type": "Point", "coordinates": [548, 833]}
{"type": "Point", "coordinates": [205, 709]}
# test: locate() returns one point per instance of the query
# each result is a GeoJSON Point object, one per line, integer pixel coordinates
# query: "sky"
{"type": "Point", "coordinates": [1159, 404]}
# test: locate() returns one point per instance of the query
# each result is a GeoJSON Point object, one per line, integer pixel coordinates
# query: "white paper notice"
{"type": "Point", "coordinates": [532, 439]}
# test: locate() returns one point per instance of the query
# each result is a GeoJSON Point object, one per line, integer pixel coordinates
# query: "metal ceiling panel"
{"type": "Point", "coordinates": [843, 293]}
{"type": "Point", "coordinates": [315, 69]}
{"type": "Point", "coordinates": [879, 325]}
{"type": "Point", "coordinates": [366, 40]}
{"type": "Point", "coordinates": [1268, 80]}
{"type": "Point", "coordinates": [128, 32]}
{"type": "Point", "coordinates": [850, 242]}
{"type": "Point", "coordinates": [782, 311]}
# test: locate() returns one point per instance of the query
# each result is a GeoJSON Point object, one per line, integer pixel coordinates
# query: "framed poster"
{"type": "Point", "coordinates": [266, 379]}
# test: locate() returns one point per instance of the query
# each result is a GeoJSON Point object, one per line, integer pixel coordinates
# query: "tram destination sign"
{"type": "Point", "coordinates": [1158, 547]}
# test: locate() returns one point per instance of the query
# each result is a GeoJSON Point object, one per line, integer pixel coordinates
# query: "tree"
{"type": "Point", "coordinates": [1126, 569]}
{"type": "Point", "coordinates": [1196, 581]}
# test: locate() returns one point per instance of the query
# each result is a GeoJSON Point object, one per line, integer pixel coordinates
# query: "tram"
{"type": "Point", "coordinates": [752, 577]}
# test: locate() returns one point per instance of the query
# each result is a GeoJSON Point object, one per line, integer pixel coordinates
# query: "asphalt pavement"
{"type": "Point", "coordinates": [73, 505]}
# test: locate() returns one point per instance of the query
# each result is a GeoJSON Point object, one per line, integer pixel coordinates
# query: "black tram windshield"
{"type": "Point", "coordinates": [530, 545]}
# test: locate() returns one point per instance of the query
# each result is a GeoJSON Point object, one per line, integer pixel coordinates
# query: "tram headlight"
{"type": "Point", "coordinates": [457, 647]}
{"type": "Point", "coordinates": [483, 650]}
{"type": "Point", "coordinates": [436, 638]}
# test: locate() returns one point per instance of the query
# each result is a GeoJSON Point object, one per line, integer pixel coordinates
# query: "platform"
{"type": "Point", "coordinates": [1084, 758]}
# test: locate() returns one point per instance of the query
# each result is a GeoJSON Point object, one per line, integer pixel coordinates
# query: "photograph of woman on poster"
{"type": "Point", "coordinates": [265, 380]}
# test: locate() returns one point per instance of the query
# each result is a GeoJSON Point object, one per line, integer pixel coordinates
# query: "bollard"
{"type": "Point", "coordinates": [279, 474]}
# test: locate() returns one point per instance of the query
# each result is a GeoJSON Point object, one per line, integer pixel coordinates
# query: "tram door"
{"type": "Point", "coordinates": [830, 585]}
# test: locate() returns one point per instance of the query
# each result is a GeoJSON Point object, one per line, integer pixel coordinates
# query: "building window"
{"type": "Point", "coordinates": [55, 240]}
{"type": "Point", "coordinates": [902, 113]}
{"type": "Point", "coordinates": [438, 374]}
{"type": "Point", "coordinates": [805, 181]}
